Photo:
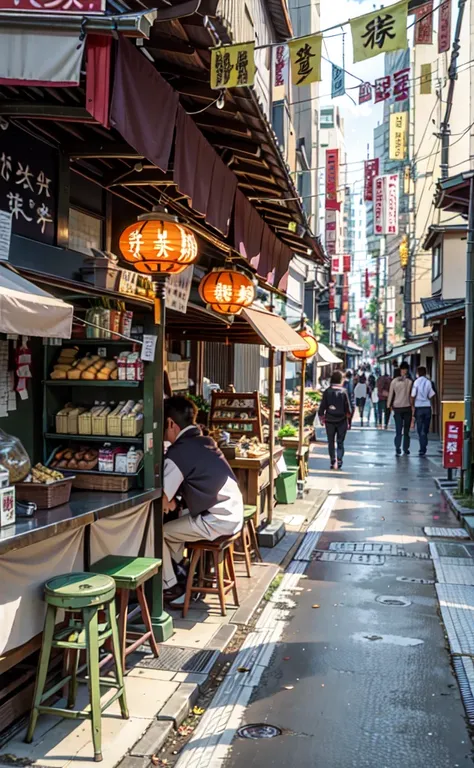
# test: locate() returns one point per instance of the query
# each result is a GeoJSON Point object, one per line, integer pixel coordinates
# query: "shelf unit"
{"type": "Point", "coordinates": [90, 383]}
{"type": "Point", "coordinates": [93, 438]}
{"type": "Point", "coordinates": [248, 402]}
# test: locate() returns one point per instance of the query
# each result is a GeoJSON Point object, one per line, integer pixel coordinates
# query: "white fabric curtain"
{"type": "Point", "coordinates": [122, 534]}
{"type": "Point", "coordinates": [42, 57]}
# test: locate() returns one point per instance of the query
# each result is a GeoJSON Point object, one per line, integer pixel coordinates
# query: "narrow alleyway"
{"type": "Point", "coordinates": [357, 680]}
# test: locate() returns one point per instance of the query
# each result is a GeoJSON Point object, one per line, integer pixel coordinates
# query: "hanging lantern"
{"type": "Point", "coordinates": [306, 354]}
{"type": "Point", "coordinates": [158, 244]}
{"type": "Point", "coordinates": [227, 291]}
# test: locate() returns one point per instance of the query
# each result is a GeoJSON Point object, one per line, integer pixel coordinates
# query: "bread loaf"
{"type": "Point", "coordinates": [88, 375]}
{"type": "Point", "coordinates": [58, 375]}
{"type": "Point", "coordinates": [74, 373]}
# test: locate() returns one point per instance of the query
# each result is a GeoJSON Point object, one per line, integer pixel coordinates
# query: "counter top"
{"type": "Point", "coordinates": [83, 508]}
{"type": "Point", "coordinates": [253, 463]}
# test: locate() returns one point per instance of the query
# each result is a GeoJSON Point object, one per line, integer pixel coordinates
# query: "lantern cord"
{"type": "Point", "coordinates": [208, 106]}
{"type": "Point", "coordinates": [101, 328]}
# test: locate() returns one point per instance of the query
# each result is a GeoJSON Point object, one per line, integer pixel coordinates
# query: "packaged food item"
{"type": "Point", "coordinates": [106, 458]}
{"type": "Point", "coordinates": [122, 365]}
{"type": "Point", "coordinates": [99, 421]}
{"type": "Point", "coordinates": [126, 327]}
{"type": "Point", "coordinates": [13, 457]}
{"type": "Point", "coordinates": [134, 458]}
{"type": "Point", "coordinates": [72, 420]}
{"type": "Point", "coordinates": [62, 419]}
{"type": "Point", "coordinates": [132, 423]}
{"type": "Point", "coordinates": [135, 369]}
{"type": "Point", "coordinates": [121, 461]}
{"type": "Point", "coordinates": [115, 320]}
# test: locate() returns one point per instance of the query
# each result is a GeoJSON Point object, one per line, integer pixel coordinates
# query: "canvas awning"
{"type": "Point", "coordinates": [28, 311]}
{"type": "Point", "coordinates": [405, 349]}
{"type": "Point", "coordinates": [273, 330]}
{"type": "Point", "coordinates": [325, 356]}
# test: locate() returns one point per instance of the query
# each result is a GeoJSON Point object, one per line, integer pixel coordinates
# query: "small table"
{"type": "Point", "coordinates": [253, 477]}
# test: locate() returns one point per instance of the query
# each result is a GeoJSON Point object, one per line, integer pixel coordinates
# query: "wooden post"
{"type": "Point", "coordinates": [271, 432]}
{"type": "Point", "coordinates": [283, 388]}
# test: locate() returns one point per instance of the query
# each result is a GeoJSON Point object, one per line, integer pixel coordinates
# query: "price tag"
{"type": "Point", "coordinates": [102, 351]}
{"type": "Point", "coordinates": [148, 348]}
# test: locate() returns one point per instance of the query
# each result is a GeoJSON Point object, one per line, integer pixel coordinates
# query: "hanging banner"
{"type": "Point", "coordinates": [401, 84]}
{"type": "Point", "coordinates": [406, 180]}
{"type": "Point", "coordinates": [383, 88]}
{"type": "Point", "coordinates": [365, 92]}
{"type": "Point", "coordinates": [233, 66]}
{"type": "Point", "coordinates": [332, 295]}
{"type": "Point", "coordinates": [380, 31]}
{"type": "Point", "coordinates": [367, 284]}
{"type": "Point", "coordinates": [425, 78]}
{"type": "Point", "coordinates": [332, 179]}
{"type": "Point", "coordinates": [347, 262]}
{"type": "Point", "coordinates": [338, 86]}
{"type": "Point", "coordinates": [345, 294]}
{"type": "Point", "coordinates": [403, 252]}
{"type": "Point", "coordinates": [280, 65]}
{"type": "Point", "coordinates": [380, 183]}
{"type": "Point", "coordinates": [392, 204]}
{"type": "Point", "coordinates": [398, 132]}
{"type": "Point", "coordinates": [336, 265]}
{"type": "Point", "coordinates": [453, 444]}
{"type": "Point", "coordinates": [444, 26]}
{"type": "Point", "coordinates": [390, 315]}
{"type": "Point", "coordinates": [424, 24]}
{"type": "Point", "coordinates": [371, 170]}
{"type": "Point", "coordinates": [305, 59]}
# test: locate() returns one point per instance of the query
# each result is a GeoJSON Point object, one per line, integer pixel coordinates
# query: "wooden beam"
{"type": "Point", "coordinates": [170, 44]}
{"type": "Point", "coordinates": [220, 123]}
{"type": "Point", "coordinates": [46, 111]}
{"type": "Point", "coordinates": [135, 178]}
{"type": "Point", "coordinates": [87, 150]}
{"type": "Point", "coordinates": [262, 188]}
{"type": "Point", "coordinates": [240, 146]}
{"type": "Point", "coordinates": [254, 171]}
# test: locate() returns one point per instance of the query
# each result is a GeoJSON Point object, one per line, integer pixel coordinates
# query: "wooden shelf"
{"type": "Point", "coordinates": [235, 407]}
{"type": "Point", "coordinates": [95, 438]}
{"type": "Point", "coordinates": [234, 421]}
{"type": "Point", "coordinates": [90, 383]}
{"type": "Point", "coordinates": [99, 342]}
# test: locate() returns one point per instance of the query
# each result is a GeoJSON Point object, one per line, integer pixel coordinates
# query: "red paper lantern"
{"type": "Point", "coordinates": [158, 244]}
{"type": "Point", "coordinates": [227, 291]}
{"type": "Point", "coordinates": [306, 354]}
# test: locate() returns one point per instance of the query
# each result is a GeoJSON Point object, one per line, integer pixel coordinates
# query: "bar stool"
{"type": "Point", "coordinates": [130, 575]}
{"type": "Point", "coordinates": [82, 595]}
{"type": "Point", "coordinates": [248, 539]}
{"type": "Point", "coordinates": [222, 550]}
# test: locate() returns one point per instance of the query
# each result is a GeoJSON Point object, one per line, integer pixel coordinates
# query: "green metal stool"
{"type": "Point", "coordinates": [130, 575]}
{"type": "Point", "coordinates": [82, 595]}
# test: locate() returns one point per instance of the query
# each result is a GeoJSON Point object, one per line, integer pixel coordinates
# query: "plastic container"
{"type": "Point", "coordinates": [290, 456]}
{"type": "Point", "coordinates": [286, 487]}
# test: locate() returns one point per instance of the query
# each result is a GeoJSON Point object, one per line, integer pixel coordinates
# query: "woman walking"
{"type": "Point", "coordinates": [335, 413]}
{"type": "Point", "coordinates": [360, 393]}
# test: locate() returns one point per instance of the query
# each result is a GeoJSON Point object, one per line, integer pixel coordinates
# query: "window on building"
{"type": "Point", "coordinates": [327, 117]}
{"type": "Point", "coordinates": [85, 231]}
{"type": "Point", "coordinates": [436, 261]}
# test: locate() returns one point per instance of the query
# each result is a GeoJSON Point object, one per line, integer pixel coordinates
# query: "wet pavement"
{"type": "Point", "coordinates": [362, 674]}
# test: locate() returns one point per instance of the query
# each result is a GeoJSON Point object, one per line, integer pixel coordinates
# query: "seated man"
{"type": "Point", "coordinates": [196, 468]}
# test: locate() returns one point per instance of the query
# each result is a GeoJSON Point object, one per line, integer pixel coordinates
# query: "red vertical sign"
{"type": "Point", "coordinates": [332, 179]}
{"type": "Point", "coordinates": [347, 262]}
{"type": "Point", "coordinates": [453, 440]}
{"type": "Point", "coordinates": [367, 284]}
{"type": "Point", "coordinates": [444, 26]}
{"type": "Point", "coordinates": [332, 295]}
{"type": "Point", "coordinates": [379, 205]}
{"type": "Point", "coordinates": [371, 170]}
{"type": "Point", "coordinates": [424, 24]}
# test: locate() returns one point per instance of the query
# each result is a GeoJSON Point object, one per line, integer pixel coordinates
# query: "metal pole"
{"type": "Point", "coordinates": [385, 285]}
{"type": "Point", "coordinates": [377, 305]}
{"type": "Point", "coordinates": [468, 343]}
{"type": "Point", "coordinates": [445, 131]}
{"type": "Point", "coordinates": [301, 425]}
{"type": "Point", "coordinates": [282, 388]}
{"type": "Point", "coordinates": [271, 431]}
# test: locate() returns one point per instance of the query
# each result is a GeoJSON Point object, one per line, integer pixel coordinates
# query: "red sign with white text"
{"type": "Point", "coordinates": [371, 168]}
{"type": "Point", "coordinates": [453, 441]}
{"type": "Point", "coordinates": [332, 179]}
{"type": "Point", "coordinates": [54, 6]}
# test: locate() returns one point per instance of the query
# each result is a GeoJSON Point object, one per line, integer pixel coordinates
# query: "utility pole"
{"type": "Point", "coordinates": [377, 304]}
{"type": "Point", "coordinates": [445, 130]}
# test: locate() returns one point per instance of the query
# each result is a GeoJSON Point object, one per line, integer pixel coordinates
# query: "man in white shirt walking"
{"type": "Point", "coordinates": [422, 394]}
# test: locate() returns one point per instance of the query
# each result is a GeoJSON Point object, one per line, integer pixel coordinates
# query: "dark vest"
{"type": "Point", "coordinates": [204, 468]}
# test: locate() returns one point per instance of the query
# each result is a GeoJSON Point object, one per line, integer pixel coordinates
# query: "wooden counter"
{"type": "Point", "coordinates": [253, 479]}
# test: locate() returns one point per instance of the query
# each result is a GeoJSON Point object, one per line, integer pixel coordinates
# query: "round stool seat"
{"type": "Point", "coordinates": [249, 511]}
{"type": "Point", "coordinates": [73, 591]}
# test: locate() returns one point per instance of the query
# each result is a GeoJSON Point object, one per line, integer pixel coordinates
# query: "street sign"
{"type": "Point", "coordinates": [453, 442]}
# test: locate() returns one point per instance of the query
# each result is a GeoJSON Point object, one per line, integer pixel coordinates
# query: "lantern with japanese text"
{"type": "Point", "coordinates": [403, 251]}
{"type": "Point", "coordinates": [158, 244]}
{"type": "Point", "coordinates": [227, 290]}
{"type": "Point", "coordinates": [306, 354]}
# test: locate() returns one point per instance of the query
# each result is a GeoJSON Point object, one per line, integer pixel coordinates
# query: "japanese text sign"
{"type": "Point", "coordinates": [425, 78]}
{"type": "Point", "coordinates": [384, 90]}
{"type": "Point", "coordinates": [336, 265]}
{"type": "Point", "coordinates": [332, 295]}
{"type": "Point", "coordinates": [393, 191]}
{"type": "Point", "coordinates": [338, 87]}
{"type": "Point", "coordinates": [424, 24]}
{"type": "Point", "coordinates": [28, 170]}
{"type": "Point", "coordinates": [380, 31]}
{"type": "Point", "coordinates": [54, 6]}
{"type": "Point", "coordinates": [332, 179]}
{"type": "Point", "coordinates": [398, 132]}
{"type": "Point", "coordinates": [371, 170]}
{"type": "Point", "coordinates": [233, 66]}
{"type": "Point", "coordinates": [444, 26]}
{"type": "Point", "coordinates": [453, 443]}
{"type": "Point", "coordinates": [178, 288]}
{"type": "Point", "coordinates": [379, 204]}
{"type": "Point", "coordinates": [347, 262]}
{"type": "Point", "coordinates": [305, 58]}
{"type": "Point", "coordinates": [365, 92]}
{"type": "Point", "coordinates": [280, 72]}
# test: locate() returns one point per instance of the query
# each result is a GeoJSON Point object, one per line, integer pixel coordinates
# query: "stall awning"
{"type": "Point", "coordinates": [273, 330]}
{"type": "Point", "coordinates": [405, 349]}
{"type": "Point", "coordinates": [325, 356]}
{"type": "Point", "coordinates": [28, 311]}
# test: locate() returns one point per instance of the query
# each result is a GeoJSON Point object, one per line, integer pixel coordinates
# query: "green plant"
{"type": "Point", "coordinates": [314, 395]}
{"type": "Point", "coordinates": [320, 331]}
{"type": "Point", "coordinates": [287, 431]}
{"type": "Point", "coordinates": [199, 402]}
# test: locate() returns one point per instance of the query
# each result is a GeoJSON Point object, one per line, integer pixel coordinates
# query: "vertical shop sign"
{"type": "Point", "coordinates": [336, 265]}
{"type": "Point", "coordinates": [338, 87]}
{"type": "Point", "coordinates": [371, 170]}
{"type": "Point", "coordinates": [332, 179]}
{"type": "Point", "coordinates": [281, 65]}
{"type": "Point", "coordinates": [398, 132]}
{"type": "Point", "coordinates": [332, 295]}
{"type": "Point", "coordinates": [379, 204]}
{"type": "Point", "coordinates": [424, 24]}
{"type": "Point", "coordinates": [444, 26]}
{"type": "Point", "coordinates": [453, 440]}
{"type": "Point", "coordinates": [233, 66]}
{"type": "Point", "coordinates": [392, 204]}
{"type": "Point", "coordinates": [425, 79]}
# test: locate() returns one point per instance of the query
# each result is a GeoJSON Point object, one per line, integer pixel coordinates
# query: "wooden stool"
{"type": "Point", "coordinates": [82, 596]}
{"type": "Point", "coordinates": [248, 538]}
{"type": "Point", "coordinates": [130, 575]}
{"type": "Point", "coordinates": [222, 551]}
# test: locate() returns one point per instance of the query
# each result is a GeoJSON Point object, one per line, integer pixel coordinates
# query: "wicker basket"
{"type": "Point", "coordinates": [84, 423]}
{"type": "Point", "coordinates": [131, 425]}
{"type": "Point", "coordinates": [99, 482]}
{"type": "Point", "coordinates": [114, 425]}
{"type": "Point", "coordinates": [99, 423]}
{"type": "Point", "coordinates": [45, 496]}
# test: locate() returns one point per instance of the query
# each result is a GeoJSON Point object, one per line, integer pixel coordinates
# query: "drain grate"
{"type": "Point", "coordinates": [449, 549]}
{"type": "Point", "coordinates": [179, 660]}
{"type": "Point", "coordinates": [413, 580]}
{"type": "Point", "coordinates": [340, 557]}
{"type": "Point", "coordinates": [457, 605]}
{"type": "Point", "coordinates": [464, 668]}
{"type": "Point", "coordinates": [446, 533]}
{"type": "Point", "coordinates": [360, 547]}
{"type": "Point", "coordinates": [397, 602]}
{"type": "Point", "coordinates": [259, 731]}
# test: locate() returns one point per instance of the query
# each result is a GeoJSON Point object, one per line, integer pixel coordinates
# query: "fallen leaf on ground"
{"type": "Point", "coordinates": [289, 687]}
{"type": "Point", "coordinates": [286, 658]}
{"type": "Point", "coordinates": [158, 760]}
{"type": "Point", "coordinates": [243, 669]}
{"type": "Point", "coordinates": [315, 606]}
{"type": "Point", "coordinates": [198, 711]}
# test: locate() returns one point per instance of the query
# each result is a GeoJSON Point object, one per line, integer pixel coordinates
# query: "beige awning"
{"type": "Point", "coordinates": [273, 330]}
{"type": "Point", "coordinates": [28, 311]}
{"type": "Point", "coordinates": [325, 356]}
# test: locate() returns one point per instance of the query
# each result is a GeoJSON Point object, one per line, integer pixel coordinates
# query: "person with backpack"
{"type": "Point", "coordinates": [335, 413]}
{"type": "Point", "coordinates": [348, 385]}
{"type": "Point", "coordinates": [399, 399]}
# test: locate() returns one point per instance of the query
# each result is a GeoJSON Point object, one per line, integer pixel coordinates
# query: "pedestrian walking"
{"type": "Point", "coordinates": [383, 388]}
{"type": "Point", "coordinates": [360, 393]}
{"type": "Point", "coordinates": [335, 413]}
{"type": "Point", "coordinates": [399, 400]}
{"type": "Point", "coordinates": [422, 395]}
{"type": "Point", "coordinates": [374, 399]}
{"type": "Point", "coordinates": [348, 385]}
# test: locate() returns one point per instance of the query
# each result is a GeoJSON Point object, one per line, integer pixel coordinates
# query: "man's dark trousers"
{"type": "Point", "coordinates": [336, 429]}
{"type": "Point", "coordinates": [423, 419]}
{"type": "Point", "coordinates": [402, 425]}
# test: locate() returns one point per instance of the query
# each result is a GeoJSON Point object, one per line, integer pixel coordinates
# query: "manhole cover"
{"type": "Point", "coordinates": [398, 602]}
{"type": "Point", "coordinates": [176, 659]}
{"type": "Point", "coordinates": [259, 731]}
{"type": "Point", "coordinates": [413, 580]}
{"type": "Point", "coordinates": [341, 557]}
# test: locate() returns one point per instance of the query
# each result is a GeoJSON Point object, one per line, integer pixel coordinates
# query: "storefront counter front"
{"type": "Point", "coordinates": [253, 477]}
